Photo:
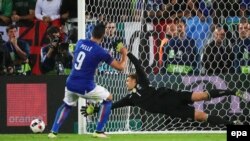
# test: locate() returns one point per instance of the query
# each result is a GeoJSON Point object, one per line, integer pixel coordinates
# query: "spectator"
{"type": "Point", "coordinates": [181, 52]}
{"type": "Point", "coordinates": [111, 8]}
{"type": "Point", "coordinates": [199, 30]}
{"type": "Point", "coordinates": [91, 22]}
{"type": "Point", "coordinates": [175, 8]}
{"type": "Point", "coordinates": [231, 14]}
{"type": "Point", "coordinates": [199, 21]}
{"type": "Point", "coordinates": [5, 12]}
{"type": "Point", "coordinates": [168, 11]}
{"type": "Point", "coordinates": [55, 57]}
{"type": "Point", "coordinates": [245, 8]}
{"type": "Point", "coordinates": [218, 56]}
{"type": "Point", "coordinates": [110, 40]}
{"type": "Point", "coordinates": [48, 11]}
{"type": "Point", "coordinates": [89, 26]}
{"type": "Point", "coordinates": [171, 32]}
{"type": "Point", "coordinates": [136, 7]}
{"type": "Point", "coordinates": [2, 61]}
{"type": "Point", "coordinates": [154, 8]}
{"type": "Point", "coordinates": [68, 10]}
{"type": "Point", "coordinates": [6, 64]}
{"type": "Point", "coordinates": [248, 31]}
{"type": "Point", "coordinates": [23, 12]}
{"type": "Point", "coordinates": [18, 50]}
{"type": "Point", "coordinates": [242, 48]}
{"type": "Point", "coordinates": [225, 9]}
{"type": "Point", "coordinates": [2, 57]}
{"type": "Point", "coordinates": [200, 8]}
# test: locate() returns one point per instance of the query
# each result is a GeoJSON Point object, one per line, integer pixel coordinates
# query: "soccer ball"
{"type": "Point", "coordinates": [37, 126]}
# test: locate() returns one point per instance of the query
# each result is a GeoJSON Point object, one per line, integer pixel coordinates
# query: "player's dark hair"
{"type": "Point", "coordinates": [98, 31]}
{"type": "Point", "coordinates": [133, 76]}
{"type": "Point", "coordinates": [9, 27]}
{"type": "Point", "coordinates": [52, 29]}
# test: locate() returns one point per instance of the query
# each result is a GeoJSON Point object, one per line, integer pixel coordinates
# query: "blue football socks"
{"type": "Point", "coordinates": [104, 113]}
{"type": "Point", "coordinates": [61, 115]}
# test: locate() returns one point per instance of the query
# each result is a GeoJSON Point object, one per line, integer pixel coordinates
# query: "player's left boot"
{"type": "Point", "coordinates": [52, 135]}
{"type": "Point", "coordinates": [242, 95]}
{"type": "Point", "coordinates": [99, 135]}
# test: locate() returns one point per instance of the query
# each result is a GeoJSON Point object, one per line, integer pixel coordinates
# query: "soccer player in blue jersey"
{"type": "Point", "coordinates": [80, 83]}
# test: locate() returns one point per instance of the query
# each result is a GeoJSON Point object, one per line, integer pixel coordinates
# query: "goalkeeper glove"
{"type": "Point", "coordinates": [118, 45]}
{"type": "Point", "coordinates": [89, 110]}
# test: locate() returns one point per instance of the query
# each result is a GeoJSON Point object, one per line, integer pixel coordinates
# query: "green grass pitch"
{"type": "Point", "coordinates": [116, 137]}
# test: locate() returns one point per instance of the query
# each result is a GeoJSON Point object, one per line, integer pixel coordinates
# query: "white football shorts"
{"type": "Point", "coordinates": [98, 94]}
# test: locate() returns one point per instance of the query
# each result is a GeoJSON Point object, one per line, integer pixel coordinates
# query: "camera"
{"type": "Point", "coordinates": [63, 46]}
{"type": "Point", "coordinates": [56, 40]}
{"type": "Point", "coordinates": [59, 49]}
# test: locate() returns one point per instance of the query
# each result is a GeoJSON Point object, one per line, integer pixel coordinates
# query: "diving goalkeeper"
{"type": "Point", "coordinates": [165, 101]}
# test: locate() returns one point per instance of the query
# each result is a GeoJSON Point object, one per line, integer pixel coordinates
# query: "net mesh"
{"type": "Point", "coordinates": [183, 45]}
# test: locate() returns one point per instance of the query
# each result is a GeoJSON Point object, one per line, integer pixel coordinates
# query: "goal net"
{"type": "Point", "coordinates": [174, 41]}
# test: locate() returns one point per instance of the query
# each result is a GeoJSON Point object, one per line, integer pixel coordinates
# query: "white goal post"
{"type": "Point", "coordinates": [142, 35]}
{"type": "Point", "coordinates": [81, 35]}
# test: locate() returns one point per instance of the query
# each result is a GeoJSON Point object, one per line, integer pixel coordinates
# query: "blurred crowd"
{"type": "Point", "coordinates": [189, 36]}
{"type": "Point", "coordinates": [60, 19]}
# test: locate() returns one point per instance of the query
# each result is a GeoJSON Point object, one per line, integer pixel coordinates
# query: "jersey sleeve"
{"type": "Point", "coordinates": [122, 102]}
{"type": "Point", "coordinates": [106, 57]}
{"type": "Point", "coordinates": [25, 47]}
{"type": "Point", "coordinates": [142, 76]}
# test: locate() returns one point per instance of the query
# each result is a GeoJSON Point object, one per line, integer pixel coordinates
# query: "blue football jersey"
{"type": "Point", "coordinates": [87, 56]}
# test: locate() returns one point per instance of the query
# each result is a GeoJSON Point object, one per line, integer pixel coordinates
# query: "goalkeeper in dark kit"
{"type": "Point", "coordinates": [166, 101]}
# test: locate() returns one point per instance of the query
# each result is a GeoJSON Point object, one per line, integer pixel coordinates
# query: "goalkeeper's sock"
{"type": "Point", "coordinates": [216, 120]}
{"type": "Point", "coordinates": [61, 115]}
{"type": "Point", "coordinates": [219, 93]}
{"type": "Point", "coordinates": [104, 113]}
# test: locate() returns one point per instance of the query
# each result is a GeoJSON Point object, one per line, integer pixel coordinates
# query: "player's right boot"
{"type": "Point", "coordinates": [99, 135]}
{"type": "Point", "coordinates": [241, 95]}
{"type": "Point", "coordinates": [237, 122]}
{"type": "Point", "coordinates": [52, 135]}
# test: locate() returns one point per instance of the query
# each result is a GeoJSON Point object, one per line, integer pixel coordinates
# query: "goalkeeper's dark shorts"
{"type": "Point", "coordinates": [178, 104]}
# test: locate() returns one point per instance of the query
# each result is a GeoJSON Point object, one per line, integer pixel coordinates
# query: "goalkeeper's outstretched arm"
{"type": "Point", "coordinates": [122, 102]}
{"type": "Point", "coordinates": [142, 76]}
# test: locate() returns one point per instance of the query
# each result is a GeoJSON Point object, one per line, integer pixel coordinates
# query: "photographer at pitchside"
{"type": "Point", "coordinates": [55, 57]}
